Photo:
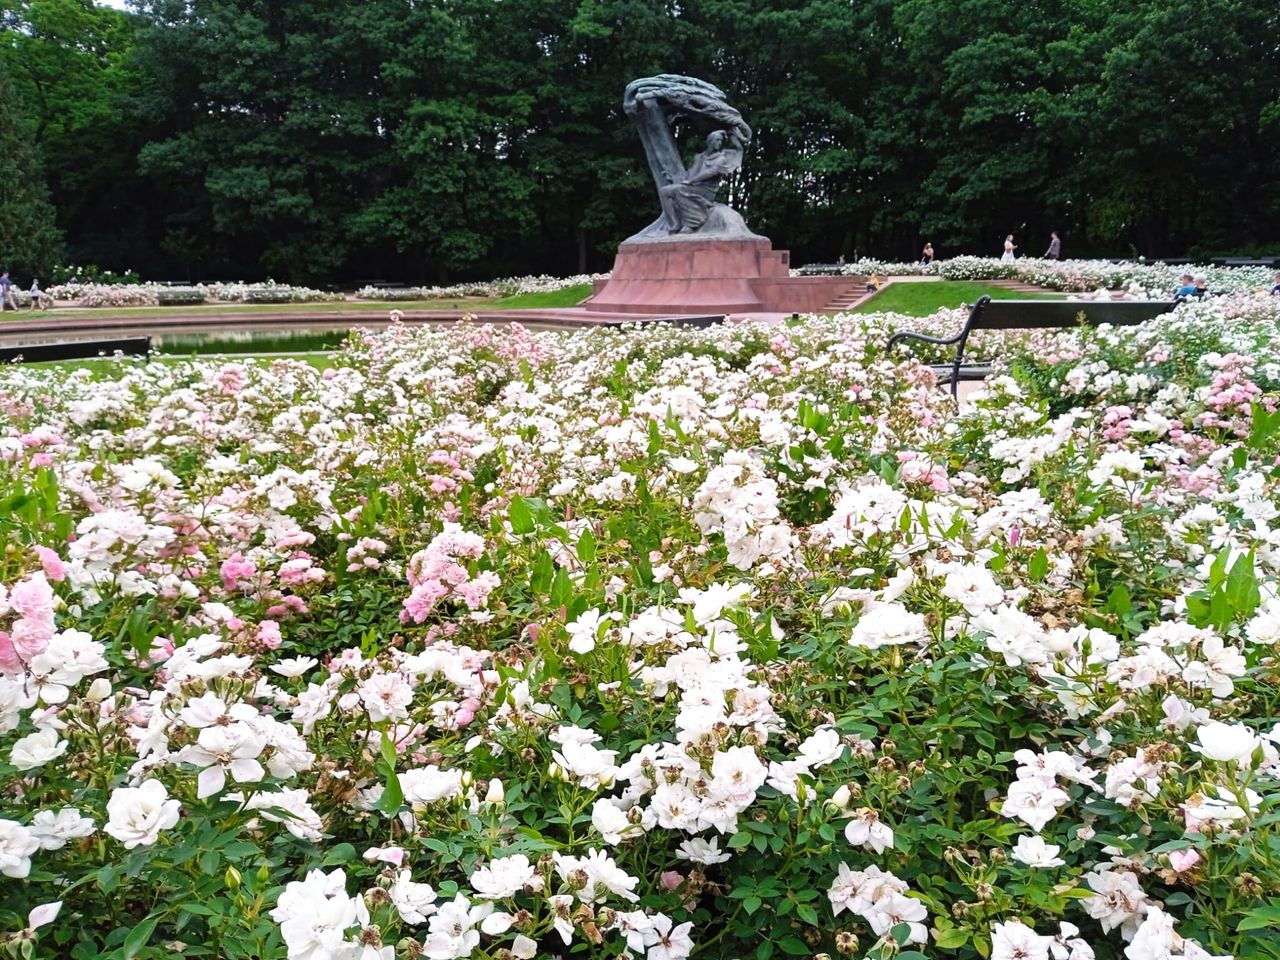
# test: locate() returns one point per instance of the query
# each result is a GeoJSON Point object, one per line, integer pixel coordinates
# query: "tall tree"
{"type": "Point", "coordinates": [67, 61]}
{"type": "Point", "coordinates": [30, 243]}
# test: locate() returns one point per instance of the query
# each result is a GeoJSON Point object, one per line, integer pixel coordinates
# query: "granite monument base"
{"type": "Point", "coordinates": [686, 275]}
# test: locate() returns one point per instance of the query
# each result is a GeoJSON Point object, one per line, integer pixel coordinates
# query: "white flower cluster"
{"type": "Point", "coordinates": [506, 287]}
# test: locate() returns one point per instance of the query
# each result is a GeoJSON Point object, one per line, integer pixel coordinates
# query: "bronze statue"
{"type": "Point", "coordinates": [688, 195]}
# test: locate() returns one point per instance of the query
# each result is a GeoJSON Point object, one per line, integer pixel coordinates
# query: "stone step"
{"type": "Point", "coordinates": [846, 302]}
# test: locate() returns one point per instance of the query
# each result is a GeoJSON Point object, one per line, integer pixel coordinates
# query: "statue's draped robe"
{"type": "Point", "coordinates": [689, 203]}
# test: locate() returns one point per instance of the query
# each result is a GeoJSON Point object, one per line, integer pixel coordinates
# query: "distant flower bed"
{"type": "Point", "coordinates": [509, 287]}
{"type": "Point", "coordinates": [154, 294]}
{"type": "Point", "coordinates": [1146, 280]}
{"type": "Point", "coordinates": [90, 273]}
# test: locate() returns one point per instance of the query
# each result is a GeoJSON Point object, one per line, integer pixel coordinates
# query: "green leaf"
{"type": "Point", "coordinates": [952, 937]}
{"type": "Point", "coordinates": [1038, 565]}
{"type": "Point", "coordinates": [587, 547]}
{"type": "Point", "coordinates": [1242, 587]}
{"type": "Point", "coordinates": [521, 516]}
{"type": "Point", "coordinates": [388, 750]}
{"type": "Point", "coordinates": [139, 935]}
{"type": "Point", "coordinates": [1261, 918]}
{"type": "Point", "coordinates": [1119, 602]}
{"type": "Point", "coordinates": [794, 946]}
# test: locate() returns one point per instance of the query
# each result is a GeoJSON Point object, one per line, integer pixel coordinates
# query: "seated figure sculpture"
{"type": "Point", "coordinates": [689, 203]}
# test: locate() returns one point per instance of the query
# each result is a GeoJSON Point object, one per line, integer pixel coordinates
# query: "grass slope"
{"type": "Point", "coordinates": [924, 299]}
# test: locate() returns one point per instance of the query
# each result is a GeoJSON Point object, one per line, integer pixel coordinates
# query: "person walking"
{"type": "Point", "coordinates": [7, 299]}
{"type": "Point", "coordinates": [39, 299]}
{"type": "Point", "coordinates": [1009, 247]}
{"type": "Point", "coordinates": [1055, 247]}
{"type": "Point", "coordinates": [926, 255]}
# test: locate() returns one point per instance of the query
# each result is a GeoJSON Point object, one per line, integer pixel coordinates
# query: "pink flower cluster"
{"type": "Point", "coordinates": [1231, 394]}
{"type": "Point", "coordinates": [1117, 422]}
{"type": "Point", "coordinates": [30, 603]}
{"type": "Point", "coordinates": [437, 573]}
{"type": "Point", "coordinates": [918, 468]}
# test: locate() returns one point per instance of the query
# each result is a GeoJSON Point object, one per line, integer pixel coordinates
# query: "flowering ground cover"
{"type": "Point", "coordinates": [1138, 279]}
{"type": "Point", "coordinates": [653, 643]}
{"type": "Point", "coordinates": [116, 295]}
{"type": "Point", "coordinates": [576, 287]}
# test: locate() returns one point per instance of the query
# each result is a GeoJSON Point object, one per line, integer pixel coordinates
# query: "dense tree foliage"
{"type": "Point", "coordinates": [417, 139]}
{"type": "Point", "coordinates": [29, 239]}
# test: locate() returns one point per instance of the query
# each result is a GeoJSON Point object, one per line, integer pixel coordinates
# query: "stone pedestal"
{"type": "Point", "coordinates": [689, 276]}
{"type": "Point", "coordinates": [713, 276]}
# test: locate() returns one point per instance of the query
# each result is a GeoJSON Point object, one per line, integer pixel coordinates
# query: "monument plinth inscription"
{"type": "Point", "coordinates": [699, 256]}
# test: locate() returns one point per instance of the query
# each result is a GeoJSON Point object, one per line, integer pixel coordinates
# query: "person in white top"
{"type": "Point", "coordinates": [1008, 249]}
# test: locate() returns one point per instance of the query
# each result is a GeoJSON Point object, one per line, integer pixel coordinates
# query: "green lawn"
{"type": "Point", "coordinates": [568, 297]}
{"type": "Point", "coordinates": [924, 299]}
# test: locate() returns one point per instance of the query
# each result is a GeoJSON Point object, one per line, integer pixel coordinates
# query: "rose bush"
{"type": "Point", "coordinates": [117, 294]}
{"type": "Point", "coordinates": [1155, 280]}
{"type": "Point", "coordinates": [507, 287]}
{"type": "Point", "coordinates": [653, 643]}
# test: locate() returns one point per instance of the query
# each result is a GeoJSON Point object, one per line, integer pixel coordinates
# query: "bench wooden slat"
{"type": "Point", "coordinates": [76, 350]}
{"type": "Point", "coordinates": [975, 371]}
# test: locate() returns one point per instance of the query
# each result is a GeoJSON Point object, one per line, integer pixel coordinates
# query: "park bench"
{"type": "Point", "coordinates": [76, 350]}
{"type": "Point", "coordinates": [988, 314]}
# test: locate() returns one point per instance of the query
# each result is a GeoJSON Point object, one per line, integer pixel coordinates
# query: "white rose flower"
{"type": "Point", "coordinates": [1226, 741]}
{"type": "Point", "coordinates": [1034, 852]}
{"type": "Point", "coordinates": [17, 844]}
{"type": "Point", "coordinates": [136, 815]}
{"type": "Point", "coordinates": [37, 749]}
{"type": "Point", "coordinates": [53, 830]}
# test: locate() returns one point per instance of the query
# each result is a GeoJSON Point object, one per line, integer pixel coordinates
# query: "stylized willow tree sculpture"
{"type": "Point", "coordinates": [688, 195]}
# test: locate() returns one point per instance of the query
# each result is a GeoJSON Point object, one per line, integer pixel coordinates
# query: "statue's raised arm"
{"type": "Point", "coordinates": [688, 194]}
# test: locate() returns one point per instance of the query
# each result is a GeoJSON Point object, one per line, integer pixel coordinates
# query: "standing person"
{"type": "Point", "coordinates": [1009, 247]}
{"type": "Point", "coordinates": [7, 298]}
{"type": "Point", "coordinates": [1055, 247]}
{"type": "Point", "coordinates": [926, 255]}
{"type": "Point", "coordinates": [38, 296]}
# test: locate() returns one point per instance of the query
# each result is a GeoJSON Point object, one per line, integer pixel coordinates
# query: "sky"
{"type": "Point", "coordinates": [118, 4]}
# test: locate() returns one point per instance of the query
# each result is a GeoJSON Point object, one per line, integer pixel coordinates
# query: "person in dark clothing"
{"type": "Point", "coordinates": [1055, 247]}
{"type": "Point", "coordinates": [1275, 291]}
{"type": "Point", "coordinates": [7, 299]}
{"type": "Point", "coordinates": [1202, 287]}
